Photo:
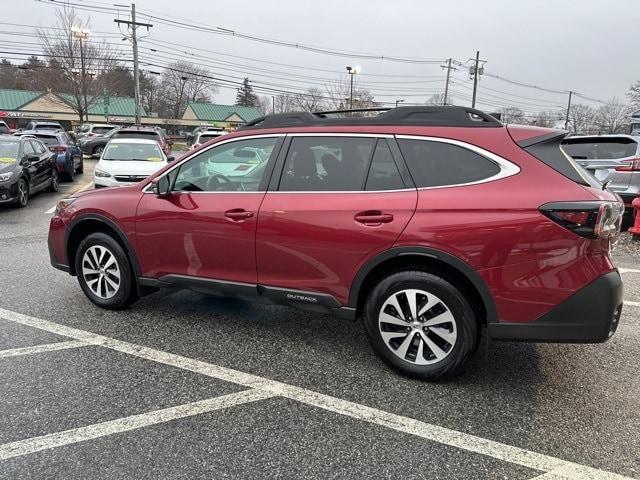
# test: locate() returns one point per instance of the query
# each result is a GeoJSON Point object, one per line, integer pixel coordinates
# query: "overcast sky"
{"type": "Point", "coordinates": [587, 46]}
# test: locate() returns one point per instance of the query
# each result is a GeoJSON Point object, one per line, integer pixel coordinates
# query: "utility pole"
{"type": "Point", "coordinates": [566, 120]}
{"type": "Point", "coordinates": [133, 26]}
{"type": "Point", "coordinates": [448, 67]}
{"type": "Point", "coordinates": [477, 71]}
{"type": "Point", "coordinates": [399, 101]}
{"type": "Point", "coordinates": [273, 104]}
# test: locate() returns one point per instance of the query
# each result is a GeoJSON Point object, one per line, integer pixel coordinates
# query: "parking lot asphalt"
{"type": "Point", "coordinates": [187, 386]}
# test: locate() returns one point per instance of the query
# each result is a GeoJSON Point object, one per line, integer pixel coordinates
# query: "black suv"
{"type": "Point", "coordinates": [26, 167]}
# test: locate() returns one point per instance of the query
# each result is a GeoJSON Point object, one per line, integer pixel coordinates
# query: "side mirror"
{"type": "Point", "coordinates": [161, 186]}
{"type": "Point", "coordinates": [170, 158]}
{"type": "Point", "coordinates": [33, 158]}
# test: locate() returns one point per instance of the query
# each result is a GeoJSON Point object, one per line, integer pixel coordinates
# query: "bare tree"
{"type": "Point", "coordinates": [612, 116]}
{"type": "Point", "coordinates": [312, 100]}
{"type": "Point", "coordinates": [512, 115]}
{"type": "Point", "coordinates": [59, 43]}
{"type": "Point", "coordinates": [263, 104]}
{"type": "Point", "coordinates": [338, 96]}
{"type": "Point", "coordinates": [8, 74]}
{"type": "Point", "coordinates": [285, 102]}
{"type": "Point", "coordinates": [581, 118]}
{"type": "Point", "coordinates": [183, 82]}
{"type": "Point", "coordinates": [547, 118]}
{"type": "Point", "coordinates": [634, 95]}
{"type": "Point", "coordinates": [435, 99]}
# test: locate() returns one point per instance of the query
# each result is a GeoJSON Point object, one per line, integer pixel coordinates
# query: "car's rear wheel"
{"type": "Point", "coordinates": [22, 197]}
{"type": "Point", "coordinates": [80, 168]}
{"type": "Point", "coordinates": [98, 150]}
{"type": "Point", "coordinates": [421, 325]}
{"type": "Point", "coordinates": [104, 272]}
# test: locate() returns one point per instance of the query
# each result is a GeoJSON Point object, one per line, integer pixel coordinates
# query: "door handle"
{"type": "Point", "coordinates": [238, 214]}
{"type": "Point", "coordinates": [373, 217]}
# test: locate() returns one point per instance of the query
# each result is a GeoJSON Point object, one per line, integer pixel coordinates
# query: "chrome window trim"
{"type": "Point", "coordinates": [507, 168]}
{"type": "Point", "coordinates": [188, 157]}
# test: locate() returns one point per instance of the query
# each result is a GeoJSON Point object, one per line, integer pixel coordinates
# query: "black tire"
{"type": "Point", "coordinates": [97, 151]}
{"type": "Point", "coordinates": [22, 200]}
{"type": "Point", "coordinates": [55, 181]}
{"type": "Point", "coordinates": [466, 326]}
{"type": "Point", "coordinates": [127, 292]}
{"type": "Point", "coordinates": [70, 174]}
{"type": "Point", "coordinates": [80, 168]}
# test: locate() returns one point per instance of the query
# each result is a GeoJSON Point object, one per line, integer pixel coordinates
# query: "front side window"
{"type": "Point", "coordinates": [438, 164]}
{"type": "Point", "coordinates": [326, 164]}
{"type": "Point", "coordinates": [27, 149]}
{"type": "Point", "coordinates": [38, 147]}
{"type": "Point", "coordinates": [233, 166]}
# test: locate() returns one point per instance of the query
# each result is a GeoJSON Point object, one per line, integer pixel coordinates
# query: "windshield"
{"type": "Point", "coordinates": [600, 149]}
{"type": "Point", "coordinates": [8, 152]}
{"type": "Point", "coordinates": [133, 151]}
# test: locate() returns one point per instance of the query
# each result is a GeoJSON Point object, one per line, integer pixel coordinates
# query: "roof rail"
{"type": "Point", "coordinates": [439, 116]}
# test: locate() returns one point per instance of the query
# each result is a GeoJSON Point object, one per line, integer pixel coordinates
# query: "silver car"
{"type": "Point", "coordinates": [612, 159]}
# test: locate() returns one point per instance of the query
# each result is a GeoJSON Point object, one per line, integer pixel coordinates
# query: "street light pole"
{"type": "Point", "coordinates": [566, 119]}
{"type": "Point", "coordinates": [352, 71]}
{"type": "Point", "coordinates": [82, 34]}
{"type": "Point", "coordinates": [398, 101]}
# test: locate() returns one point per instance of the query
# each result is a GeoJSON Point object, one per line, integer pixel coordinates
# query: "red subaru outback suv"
{"type": "Point", "coordinates": [427, 223]}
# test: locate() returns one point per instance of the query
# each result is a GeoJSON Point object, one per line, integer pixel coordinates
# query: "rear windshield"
{"type": "Point", "coordinates": [152, 135]}
{"type": "Point", "coordinates": [133, 151]}
{"type": "Point", "coordinates": [8, 152]}
{"type": "Point", "coordinates": [48, 139]}
{"type": "Point", "coordinates": [600, 149]}
{"type": "Point", "coordinates": [47, 126]}
{"type": "Point", "coordinates": [205, 137]}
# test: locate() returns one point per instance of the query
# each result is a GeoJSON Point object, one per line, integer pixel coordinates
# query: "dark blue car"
{"type": "Point", "coordinates": [68, 154]}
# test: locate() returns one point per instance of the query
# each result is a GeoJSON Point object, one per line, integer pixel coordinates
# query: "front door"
{"type": "Point", "coordinates": [206, 227]}
{"type": "Point", "coordinates": [340, 200]}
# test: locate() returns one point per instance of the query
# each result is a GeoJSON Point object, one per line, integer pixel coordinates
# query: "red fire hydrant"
{"type": "Point", "coordinates": [635, 230]}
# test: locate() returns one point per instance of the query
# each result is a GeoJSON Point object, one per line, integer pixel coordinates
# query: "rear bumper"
{"type": "Point", "coordinates": [591, 315]}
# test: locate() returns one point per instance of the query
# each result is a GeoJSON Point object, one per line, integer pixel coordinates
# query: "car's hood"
{"type": "Point", "coordinates": [124, 167]}
{"type": "Point", "coordinates": [7, 167]}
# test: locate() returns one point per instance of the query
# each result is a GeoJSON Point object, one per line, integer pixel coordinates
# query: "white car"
{"type": "Point", "coordinates": [125, 161]}
{"type": "Point", "coordinates": [204, 137]}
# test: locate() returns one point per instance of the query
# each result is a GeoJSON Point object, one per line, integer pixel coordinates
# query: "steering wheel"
{"type": "Point", "coordinates": [219, 180]}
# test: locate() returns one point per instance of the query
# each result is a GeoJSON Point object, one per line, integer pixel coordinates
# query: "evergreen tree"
{"type": "Point", "coordinates": [245, 96]}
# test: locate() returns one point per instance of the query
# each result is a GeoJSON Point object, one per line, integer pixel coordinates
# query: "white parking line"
{"type": "Point", "coordinates": [633, 304]}
{"type": "Point", "coordinates": [81, 188]}
{"type": "Point", "coordinates": [47, 347]}
{"type": "Point", "coordinates": [81, 434]}
{"type": "Point", "coordinates": [628, 270]}
{"type": "Point", "coordinates": [435, 433]}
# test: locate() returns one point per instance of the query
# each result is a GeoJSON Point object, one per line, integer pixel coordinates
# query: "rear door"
{"type": "Point", "coordinates": [338, 201]}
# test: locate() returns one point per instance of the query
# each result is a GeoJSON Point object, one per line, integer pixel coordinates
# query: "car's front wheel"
{"type": "Point", "coordinates": [22, 198]}
{"type": "Point", "coordinates": [421, 325]}
{"type": "Point", "coordinates": [104, 272]}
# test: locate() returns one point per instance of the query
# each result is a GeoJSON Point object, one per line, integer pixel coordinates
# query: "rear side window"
{"type": "Point", "coordinates": [327, 164]}
{"type": "Point", "coordinates": [438, 164]}
{"type": "Point", "coordinates": [383, 173]}
{"type": "Point", "coordinates": [600, 149]}
{"type": "Point", "coordinates": [101, 130]}
{"type": "Point", "coordinates": [550, 153]}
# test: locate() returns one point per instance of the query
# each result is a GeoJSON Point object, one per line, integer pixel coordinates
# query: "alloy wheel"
{"type": "Point", "coordinates": [54, 181]}
{"type": "Point", "coordinates": [417, 327]}
{"type": "Point", "coordinates": [101, 271]}
{"type": "Point", "coordinates": [23, 194]}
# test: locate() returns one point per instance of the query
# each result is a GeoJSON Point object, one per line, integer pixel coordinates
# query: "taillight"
{"type": "Point", "coordinates": [588, 219]}
{"type": "Point", "coordinates": [58, 149]}
{"type": "Point", "coordinates": [632, 165]}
